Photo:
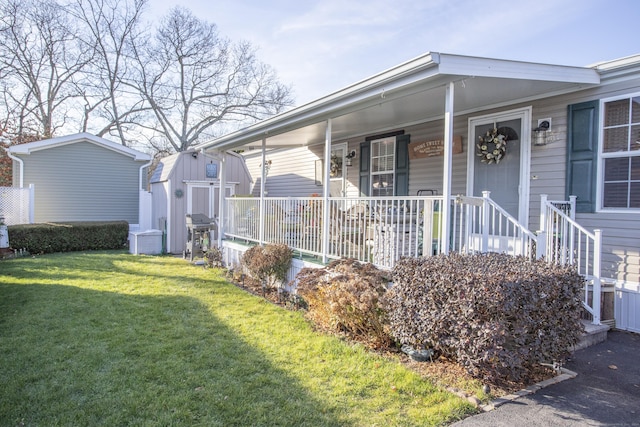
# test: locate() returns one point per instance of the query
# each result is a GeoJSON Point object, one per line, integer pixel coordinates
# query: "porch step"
{"type": "Point", "coordinates": [593, 334]}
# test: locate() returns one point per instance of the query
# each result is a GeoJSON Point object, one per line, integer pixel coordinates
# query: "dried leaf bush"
{"type": "Point", "coordinates": [499, 316]}
{"type": "Point", "coordinates": [268, 264]}
{"type": "Point", "coordinates": [345, 298]}
{"type": "Point", "coordinates": [213, 257]}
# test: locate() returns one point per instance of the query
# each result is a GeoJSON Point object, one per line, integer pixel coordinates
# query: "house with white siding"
{"type": "Point", "coordinates": [456, 153]}
{"type": "Point", "coordinates": [81, 177]}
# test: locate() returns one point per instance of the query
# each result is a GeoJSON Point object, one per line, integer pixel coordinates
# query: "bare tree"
{"type": "Point", "coordinates": [41, 56]}
{"type": "Point", "coordinates": [111, 26]}
{"type": "Point", "coordinates": [193, 79]}
{"type": "Point", "coordinates": [89, 65]}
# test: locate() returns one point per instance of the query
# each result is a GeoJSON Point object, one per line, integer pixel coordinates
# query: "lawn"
{"type": "Point", "coordinates": [108, 338]}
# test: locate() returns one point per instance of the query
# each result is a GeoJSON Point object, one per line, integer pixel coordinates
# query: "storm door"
{"type": "Point", "coordinates": [499, 158]}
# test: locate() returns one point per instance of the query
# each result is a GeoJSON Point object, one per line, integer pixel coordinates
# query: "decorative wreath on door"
{"type": "Point", "coordinates": [335, 169]}
{"type": "Point", "coordinates": [492, 147]}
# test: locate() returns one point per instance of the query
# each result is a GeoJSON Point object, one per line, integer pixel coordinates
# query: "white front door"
{"type": "Point", "coordinates": [502, 171]}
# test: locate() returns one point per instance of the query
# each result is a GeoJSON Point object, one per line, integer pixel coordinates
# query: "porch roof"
{"type": "Point", "coordinates": [411, 93]}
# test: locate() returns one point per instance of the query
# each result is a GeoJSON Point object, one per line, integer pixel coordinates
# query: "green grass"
{"type": "Point", "coordinates": [107, 338]}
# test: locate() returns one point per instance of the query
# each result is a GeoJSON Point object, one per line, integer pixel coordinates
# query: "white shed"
{"type": "Point", "coordinates": [189, 183]}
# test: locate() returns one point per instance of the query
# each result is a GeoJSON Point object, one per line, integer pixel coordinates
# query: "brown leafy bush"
{"type": "Point", "coordinates": [269, 263]}
{"type": "Point", "coordinates": [213, 257]}
{"type": "Point", "coordinates": [345, 297]}
{"type": "Point", "coordinates": [497, 315]}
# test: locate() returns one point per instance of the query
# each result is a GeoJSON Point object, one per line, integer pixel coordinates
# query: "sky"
{"type": "Point", "coordinates": [319, 47]}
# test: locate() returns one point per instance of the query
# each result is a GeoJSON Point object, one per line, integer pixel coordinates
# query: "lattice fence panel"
{"type": "Point", "coordinates": [14, 205]}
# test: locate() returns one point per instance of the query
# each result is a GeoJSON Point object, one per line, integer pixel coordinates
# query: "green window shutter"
{"type": "Point", "coordinates": [402, 165]}
{"type": "Point", "coordinates": [582, 154]}
{"type": "Point", "coordinates": [365, 171]}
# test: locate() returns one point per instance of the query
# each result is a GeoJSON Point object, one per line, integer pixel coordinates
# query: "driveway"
{"type": "Point", "coordinates": [606, 391]}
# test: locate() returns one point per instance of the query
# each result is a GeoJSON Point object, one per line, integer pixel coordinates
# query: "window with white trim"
{"type": "Point", "coordinates": [383, 160]}
{"type": "Point", "coordinates": [621, 154]}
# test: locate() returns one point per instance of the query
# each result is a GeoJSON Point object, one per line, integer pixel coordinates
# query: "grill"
{"type": "Point", "coordinates": [199, 227]}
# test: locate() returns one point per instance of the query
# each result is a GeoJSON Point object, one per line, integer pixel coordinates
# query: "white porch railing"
{"type": "Point", "coordinates": [568, 243]}
{"type": "Point", "coordinates": [369, 229]}
{"type": "Point", "coordinates": [16, 205]}
{"type": "Point", "coordinates": [480, 225]}
{"type": "Point", "coordinates": [379, 230]}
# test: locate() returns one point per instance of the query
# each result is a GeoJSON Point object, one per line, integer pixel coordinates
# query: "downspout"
{"type": "Point", "coordinates": [222, 203]}
{"type": "Point", "coordinates": [140, 189]}
{"type": "Point", "coordinates": [19, 160]}
{"type": "Point", "coordinates": [169, 217]}
{"type": "Point", "coordinates": [146, 165]}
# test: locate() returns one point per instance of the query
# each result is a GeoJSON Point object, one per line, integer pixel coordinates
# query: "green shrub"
{"type": "Point", "coordinates": [269, 263]}
{"type": "Point", "coordinates": [69, 236]}
{"type": "Point", "coordinates": [345, 297]}
{"type": "Point", "coordinates": [497, 315]}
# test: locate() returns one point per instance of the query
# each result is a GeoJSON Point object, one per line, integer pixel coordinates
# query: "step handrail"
{"type": "Point", "coordinates": [569, 243]}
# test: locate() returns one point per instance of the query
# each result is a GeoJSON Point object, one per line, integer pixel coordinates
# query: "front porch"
{"type": "Point", "coordinates": [427, 123]}
{"type": "Point", "coordinates": [383, 230]}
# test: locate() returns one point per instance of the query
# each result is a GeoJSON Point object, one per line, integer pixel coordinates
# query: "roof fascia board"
{"type": "Point", "coordinates": [333, 105]}
{"type": "Point", "coordinates": [421, 69]}
{"type": "Point", "coordinates": [30, 147]}
{"type": "Point", "coordinates": [500, 68]}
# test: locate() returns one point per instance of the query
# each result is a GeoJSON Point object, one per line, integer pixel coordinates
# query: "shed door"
{"type": "Point", "coordinates": [204, 198]}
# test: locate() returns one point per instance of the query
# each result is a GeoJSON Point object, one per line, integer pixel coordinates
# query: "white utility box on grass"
{"type": "Point", "coordinates": [147, 242]}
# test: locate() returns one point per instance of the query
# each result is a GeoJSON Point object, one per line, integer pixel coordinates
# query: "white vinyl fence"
{"type": "Point", "coordinates": [16, 205]}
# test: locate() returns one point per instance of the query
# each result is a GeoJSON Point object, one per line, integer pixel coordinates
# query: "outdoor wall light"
{"type": "Point", "coordinates": [540, 133]}
{"type": "Point", "coordinates": [349, 157]}
{"type": "Point", "coordinates": [194, 154]}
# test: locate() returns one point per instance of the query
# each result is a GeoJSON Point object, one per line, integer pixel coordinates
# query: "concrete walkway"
{"type": "Point", "coordinates": [606, 391]}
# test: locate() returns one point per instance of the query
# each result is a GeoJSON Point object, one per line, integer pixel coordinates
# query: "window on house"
{"type": "Point", "coordinates": [621, 153]}
{"type": "Point", "coordinates": [383, 160]}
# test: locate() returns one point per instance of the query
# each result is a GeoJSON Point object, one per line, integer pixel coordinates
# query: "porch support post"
{"type": "Point", "coordinates": [446, 174]}
{"type": "Point", "coordinates": [263, 185]}
{"type": "Point", "coordinates": [222, 203]}
{"type": "Point", "coordinates": [543, 212]}
{"type": "Point", "coordinates": [325, 192]}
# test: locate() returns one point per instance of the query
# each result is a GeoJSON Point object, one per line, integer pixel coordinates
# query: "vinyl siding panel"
{"type": "Point", "coordinates": [83, 182]}
{"type": "Point", "coordinates": [292, 171]}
